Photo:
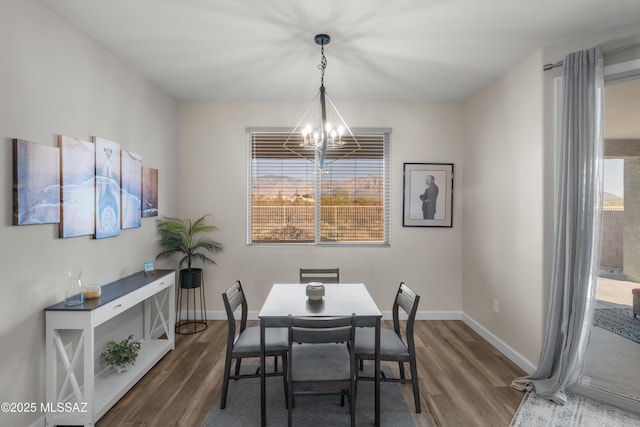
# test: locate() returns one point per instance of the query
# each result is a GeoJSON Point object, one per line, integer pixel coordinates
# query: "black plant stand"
{"type": "Point", "coordinates": [195, 325]}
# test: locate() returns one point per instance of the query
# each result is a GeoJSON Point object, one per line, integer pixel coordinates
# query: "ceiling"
{"type": "Point", "coordinates": [381, 50]}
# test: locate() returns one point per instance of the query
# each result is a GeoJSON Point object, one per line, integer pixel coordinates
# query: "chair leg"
{"type": "Point", "coordinates": [285, 382]}
{"type": "Point", "coordinates": [355, 385]}
{"type": "Point", "coordinates": [275, 363]}
{"type": "Point", "coordinates": [238, 363]}
{"type": "Point", "coordinates": [353, 411]}
{"type": "Point", "coordinates": [401, 369]}
{"type": "Point", "coordinates": [414, 382]}
{"type": "Point", "coordinates": [352, 400]}
{"type": "Point", "coordinates": [225, 381]}
{"type": "Point", "coordinates": [290, 404]}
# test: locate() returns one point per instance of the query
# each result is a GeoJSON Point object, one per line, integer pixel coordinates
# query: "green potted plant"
{"type": "Point", "coordinates": [185, 237]}
{"type": "Point", "coordinates": [121, 354]}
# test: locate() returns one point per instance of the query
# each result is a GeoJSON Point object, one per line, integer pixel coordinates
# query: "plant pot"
{"type": "Point", "coordinates": [124, 368]}
{"type": "Point", "coordinates": [190, 278]}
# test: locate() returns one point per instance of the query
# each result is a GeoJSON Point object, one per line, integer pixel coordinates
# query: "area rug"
{"type": "Point", "coordinates": [243, 407]}
{"type": "Point", "coordinates": [579, 411]}
{"type": "Point", "coordinates": [619, 321]}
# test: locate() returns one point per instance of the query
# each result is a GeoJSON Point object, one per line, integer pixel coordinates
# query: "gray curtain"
{"type": "Point", "coordinates": [578, 217]}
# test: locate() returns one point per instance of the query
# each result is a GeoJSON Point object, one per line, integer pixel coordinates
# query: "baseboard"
{"type": "Point", "coordinates": [500, 345]}
{"type": "Point", "coordinates": [432, 315]}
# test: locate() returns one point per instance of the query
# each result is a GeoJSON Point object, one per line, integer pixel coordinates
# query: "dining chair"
{"type": "Point", "coordinates": [395, 345]}
{"type": "Point", "coordinates": [322, 275]}
{"type": "Point", "coordinates": [321, 360]}
{"type": "Point", "coordinates": [245, 342]}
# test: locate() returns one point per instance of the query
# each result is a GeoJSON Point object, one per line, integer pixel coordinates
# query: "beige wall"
{"type": "Point", "coordinates": [213, 180]}
{"type": "Point", "coordinates": [55, 81]}
{"type": "Point", "coordinates": [502, 209]}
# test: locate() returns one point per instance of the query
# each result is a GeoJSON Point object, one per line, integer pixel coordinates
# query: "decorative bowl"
{"type": "Point", "coordinates": [315, 291]}
{"type": "Point", "coordinates": [92, 291]}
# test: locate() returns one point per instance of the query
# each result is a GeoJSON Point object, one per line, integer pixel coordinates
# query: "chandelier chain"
{"type": "Point", "coordinates": [323, 65]}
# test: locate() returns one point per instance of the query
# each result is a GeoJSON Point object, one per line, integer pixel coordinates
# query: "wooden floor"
{"type": "Point", "coordinates": [464, 381]}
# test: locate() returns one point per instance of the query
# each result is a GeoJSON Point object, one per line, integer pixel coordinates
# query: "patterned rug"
{"type": "Point", "coordinates": [619, 321]}
{"type": "Point", "coordinates": [579, 411]}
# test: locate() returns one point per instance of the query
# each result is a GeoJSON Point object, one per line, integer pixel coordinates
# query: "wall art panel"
{"type": "Point", "coordinates": [77, 160]}
{"type": "Point", "coordinates": [131, 190]}
{"type": "Point", "coordinates": [107, 206]}
{"type": "Point", "coordinates": [36, 183]}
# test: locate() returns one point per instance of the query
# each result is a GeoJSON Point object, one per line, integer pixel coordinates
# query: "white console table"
{"type": "Point", "coordinates": [78, 389]}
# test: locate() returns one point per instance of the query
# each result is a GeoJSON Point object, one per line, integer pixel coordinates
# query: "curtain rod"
{"type": "Point", "coordinates": [550, 66]}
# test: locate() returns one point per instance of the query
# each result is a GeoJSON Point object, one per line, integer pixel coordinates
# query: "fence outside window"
{"type": "Point", "coordinates": [285, 224]}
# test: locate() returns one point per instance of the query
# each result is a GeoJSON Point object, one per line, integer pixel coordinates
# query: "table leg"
{"type": "Point", "coordinates": [263, 384]}
{"type": "Point", "coordinates": [377, 373]}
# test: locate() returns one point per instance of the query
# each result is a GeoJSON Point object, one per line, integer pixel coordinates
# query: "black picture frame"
{"type": "Point", "coordinates": [427, 204]}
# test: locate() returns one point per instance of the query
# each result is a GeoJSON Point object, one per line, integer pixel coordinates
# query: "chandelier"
{"type": "Point", "coordinates": [323, 130]}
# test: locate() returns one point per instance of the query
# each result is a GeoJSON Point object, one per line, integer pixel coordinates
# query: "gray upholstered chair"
{"type": "Point", "coordinates": [322, 275]}
{"type": "Point", "coordinates": [394, 345]}
{"type": "Point", "coordinates": [321, 360]}
{"type": "Point", "coordinates": [245, 342]}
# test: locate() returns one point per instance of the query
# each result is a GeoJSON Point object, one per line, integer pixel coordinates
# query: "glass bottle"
{"type": "Point", "coordinates": [74, 295]}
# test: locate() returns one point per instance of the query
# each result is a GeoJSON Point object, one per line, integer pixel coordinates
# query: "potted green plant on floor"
{"type": "Point", "coordinates": [121, 355]}
{"type": "Point", "coordinates": [189, 240]}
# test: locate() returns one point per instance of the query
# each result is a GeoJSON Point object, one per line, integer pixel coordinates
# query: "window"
{"type": "Point", "coordinates": [289, 201]}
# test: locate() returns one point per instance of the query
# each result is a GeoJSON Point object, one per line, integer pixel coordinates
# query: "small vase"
{"type": "Point", "coordinates": [73, 294]}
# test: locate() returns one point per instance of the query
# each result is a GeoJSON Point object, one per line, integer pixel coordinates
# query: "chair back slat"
{"type": "Point", "coordinates": [322, 275]}
{"type": "Point", "coordinates": [406, 299]}
{"type": "Point", "coordinates": [405, 302]}
{"type": "Point", "coordinates": [233, 298]}
{"type": "Point", "coordinates": [321, 329]}
{"type": "Point", "coordinates": [320, 335]}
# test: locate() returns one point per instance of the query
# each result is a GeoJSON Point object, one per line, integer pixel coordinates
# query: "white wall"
{"type": "Point", "coordinates": [54, 81]}
{"type": "Point", "coordinates": [213, 180]}
{"type": "Point", "coordinates": [502, 213]}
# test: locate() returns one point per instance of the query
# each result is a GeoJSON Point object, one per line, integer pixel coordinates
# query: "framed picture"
{"type": "Point", "coordinates": [428, 195]}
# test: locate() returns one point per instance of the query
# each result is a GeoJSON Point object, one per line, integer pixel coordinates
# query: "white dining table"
{"type": "Point", "coordinates": [342, 299]}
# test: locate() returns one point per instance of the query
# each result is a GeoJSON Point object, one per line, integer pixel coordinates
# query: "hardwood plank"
{"type": "Point", "coordinates": [463, 380]}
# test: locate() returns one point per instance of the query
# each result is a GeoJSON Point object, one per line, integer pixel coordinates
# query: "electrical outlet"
{"type": "Point", "coordinates": [496, 306]}
{"type": "Point", "coordinates": [69, 350]}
